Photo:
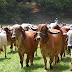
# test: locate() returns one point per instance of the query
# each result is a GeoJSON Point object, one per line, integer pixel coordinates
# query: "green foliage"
{"type": "Point", "coordinates": [2, 8]}
{"type": "Point", "coordinates": [59, 6]}
{"type": "Point", "coordinates": [7, 10]}
{"type": "Point", "coordinates": [12, 12]}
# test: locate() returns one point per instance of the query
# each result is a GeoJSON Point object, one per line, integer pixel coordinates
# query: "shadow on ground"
{"type": "Point", "coordinates": [12, 52]}
{"type": "Point", "coordinates": [37, 58]}
{"type": "Point", "coordinates": [1, 59]}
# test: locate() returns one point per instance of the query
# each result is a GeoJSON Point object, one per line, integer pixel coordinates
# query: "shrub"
{"type": "Point", "coordinates": [58, 6]}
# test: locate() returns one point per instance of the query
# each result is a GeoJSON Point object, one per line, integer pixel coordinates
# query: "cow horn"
{"type": "Point", "coordinates": [64, 34]}
{"type": "Point", "coordinates": [34, 28]}
{"type": "Point", "coordinates": [53, 32]}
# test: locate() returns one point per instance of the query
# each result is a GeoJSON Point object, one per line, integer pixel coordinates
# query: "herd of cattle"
{"type": "Point", "coordinates": [26, 38]}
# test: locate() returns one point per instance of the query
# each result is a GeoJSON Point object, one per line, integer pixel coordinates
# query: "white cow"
{"type": "Point", "coordinates": [52, 25]}
{"type": "Point", "coordinates": [3, 40]}
{"type": "Point", "coordinates": [26, 26]}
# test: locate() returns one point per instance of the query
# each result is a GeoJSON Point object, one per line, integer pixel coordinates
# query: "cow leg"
{"type": "Point", "coordinates": [69, 50]}
{"type": "Point", "coordinates": [64, 53]}
{"type": "Point", "coordinates": [36, 52]}
{"type": "Point", "coordinates": [21, 59]}
{"type": "Point", "coordinates": [61, 56]}
{"type": "Point", "coordinates": [27, 60]}
{"type": "Point", "coordinates": [11, 47]}
{"type": "Point", "coordinates": [65, 49]}
{"type": "Point", "coordinates": [31, 58]}
{"type": "Point", "coordinates": [51, 60]}
{"type": "Point", "coordinates": [15, 46]}
{"type": "Point", "coordinates": [5, 50]}
{"type": "Point", "coordinates": [45, 61]}
{"type": "Point", "coordinates": [56, 59]}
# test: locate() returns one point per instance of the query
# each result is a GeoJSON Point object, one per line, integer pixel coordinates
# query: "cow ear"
{"type": "Point", "coordinates": [6, 29]}
{"type": "Point", "coordinates": [23, 32]}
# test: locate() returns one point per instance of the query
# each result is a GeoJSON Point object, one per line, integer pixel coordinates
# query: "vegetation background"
{"type": "Point", "coordinates": [18, 11]}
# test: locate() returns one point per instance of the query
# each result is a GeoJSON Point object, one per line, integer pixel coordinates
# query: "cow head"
{"type": "Point", "coordinates": [17, 31]}
{"type": "Point", "coordinates": [42, 33]}
{"type": "Point", "coordinates": [57, 27]}
{"type": "Point", "coordinates": [8, 32]}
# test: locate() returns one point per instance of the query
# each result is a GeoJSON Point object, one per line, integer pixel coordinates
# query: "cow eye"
{"type": "Point", "coordinates": [11, 34]}
{"type": "Point", "coordinates": [35, 35]}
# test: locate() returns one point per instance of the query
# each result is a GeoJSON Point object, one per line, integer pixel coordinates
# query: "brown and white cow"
{"type": "Point", "coordinates": [26, 44]}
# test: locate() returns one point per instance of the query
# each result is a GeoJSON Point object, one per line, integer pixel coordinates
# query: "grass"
{"type": "Point", "coordinates": [11, 63]}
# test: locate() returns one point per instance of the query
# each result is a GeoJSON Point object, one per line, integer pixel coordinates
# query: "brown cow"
{"type": "Point", "coordinates": [9, 34]}
{"type": "Point", "coordinates": [26, 44]}
{"type": "Point", "coordinates": [64, 46]}
{"type": "Point", "coordinates": [50, 44]}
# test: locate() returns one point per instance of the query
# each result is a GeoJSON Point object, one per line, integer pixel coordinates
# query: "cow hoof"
{"type": "Point", "coordinates": [5, 56]}
{"type": "Point", "coordinates": [11, 51]}
{"type": "Point", "coordinates": [21, 66]}
{"type": "Point", "coordinates": [15, 49]}
{"type": "Point", "coordinates": [51, 67]}
{"type": "Point", "coordinates": [32, 64]}
{"type": "Point", "coordinates": [27, 65]}
{"type": "Point", "coordinates": [45, 68]}
{"type": "Point", "coordinates": [58, 60]}
{"type": "Point", "coordinates": [70, 69]}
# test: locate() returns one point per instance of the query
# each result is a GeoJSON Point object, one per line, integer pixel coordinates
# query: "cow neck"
{"type": "Point", "coordinates": [19, 39]}
{"type": "Point", "coordinates": [23, 35]}
{"type": "Point", "coordinates": [45, 38]}
{"type": "Point", "coordinates": [8, 36]}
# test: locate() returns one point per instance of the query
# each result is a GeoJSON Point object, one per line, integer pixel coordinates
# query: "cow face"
{"type": "Point", "coordinates": [41, 32]}
{"type": "Point", "coordinates": [8, 32]}
{"type": "Point", "coordinates": [17, 31]}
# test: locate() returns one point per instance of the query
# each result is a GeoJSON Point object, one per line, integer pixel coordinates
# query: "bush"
{"type": "Point", "coordinates": [8, 10]}
{"type": "Point", "coordinates": [58, 6]}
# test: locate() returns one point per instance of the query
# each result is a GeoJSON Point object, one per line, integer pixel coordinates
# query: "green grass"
{"type": "Point", "coordinates": [12, 64]}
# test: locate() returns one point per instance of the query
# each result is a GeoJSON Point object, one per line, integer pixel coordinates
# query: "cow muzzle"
{"type": "Point", "coordinates": [37, 39]}
{"type": "Point", "coordinates": [13, 37]}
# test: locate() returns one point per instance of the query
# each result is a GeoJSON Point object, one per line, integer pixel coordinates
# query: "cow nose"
{"type": "Point", "coordinates": [38, 39]}
{"type": "Point", "coordinates": [13, 37]}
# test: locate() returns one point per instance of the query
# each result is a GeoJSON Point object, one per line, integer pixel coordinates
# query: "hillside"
{"type": "Point", "coordinates": [29, 13]}
{"type": "Point", "coordinates": [36, 15]}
